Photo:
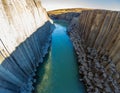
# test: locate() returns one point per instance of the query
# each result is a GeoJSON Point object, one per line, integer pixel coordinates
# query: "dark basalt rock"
{"type": "Point", "coordinates": [97, 69]}
{"type": "Point", "coordinates": [65, 16]}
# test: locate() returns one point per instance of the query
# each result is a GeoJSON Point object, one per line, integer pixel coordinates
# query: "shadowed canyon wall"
{"type": "Point", "coordinates": [65, 14]}
{"type": "Point", "coordinates": [25, 34]}
{"type": "Point", "coordinates": [96, 37]}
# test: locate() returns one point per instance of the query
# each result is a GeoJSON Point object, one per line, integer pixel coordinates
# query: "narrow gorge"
{"type": "Point", "coordinates": [61, 51]}
{"type": "Point", "coordinates": [59, 71]}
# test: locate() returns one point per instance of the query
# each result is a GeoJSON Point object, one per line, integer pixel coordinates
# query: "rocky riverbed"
{"type": "Point", "coordinates": [97, 69]}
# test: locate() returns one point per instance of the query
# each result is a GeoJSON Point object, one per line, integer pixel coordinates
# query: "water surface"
{"type": "Point", "coordinates": [59, 72]}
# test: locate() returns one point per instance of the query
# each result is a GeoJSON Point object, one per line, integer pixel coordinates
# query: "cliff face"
{"type": "Point", "coordinates": [19, 19]}
{"type": "Point", "coordinates": [25, 34]}
{"type": "Point", "coordinates": [96, 38]}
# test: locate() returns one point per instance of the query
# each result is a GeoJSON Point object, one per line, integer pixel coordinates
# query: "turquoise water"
{"type": "Point", "coordinates": [59, 72]}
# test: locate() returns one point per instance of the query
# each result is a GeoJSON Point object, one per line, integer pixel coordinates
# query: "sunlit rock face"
{"type": "Point", "coordinates": [18, 20]}
{"type": "Point", "coordinates": [25, 34]}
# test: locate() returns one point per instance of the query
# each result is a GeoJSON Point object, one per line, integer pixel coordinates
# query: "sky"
{"type": "Point", "coordinates": [96, 4]}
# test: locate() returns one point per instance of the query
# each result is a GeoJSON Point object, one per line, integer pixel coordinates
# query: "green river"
{"type": "Point", "coordinates": [59, 72]}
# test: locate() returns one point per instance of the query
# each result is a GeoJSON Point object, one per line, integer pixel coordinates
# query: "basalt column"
{"type": "Point", "coordinates": [25, 34]}
{"type": "Point", "coordinates": [96, 38]}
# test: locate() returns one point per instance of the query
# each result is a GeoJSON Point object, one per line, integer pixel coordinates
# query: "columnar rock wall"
{"type": "Point", "coordinates": [100, 29]}
{"type": "Point", "coordinates": [96, 38]}
{"type": "Point", "coordinates": [25, 34]}
{"type": "Point", "coordinates": [18, 20]}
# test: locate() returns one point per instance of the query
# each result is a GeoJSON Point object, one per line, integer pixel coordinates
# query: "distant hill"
{"type": "Point", "coordinates": [62, 11]}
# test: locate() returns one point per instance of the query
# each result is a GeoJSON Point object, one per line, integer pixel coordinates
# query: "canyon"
{"type": "Point", "coordinates": [26, 35]}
